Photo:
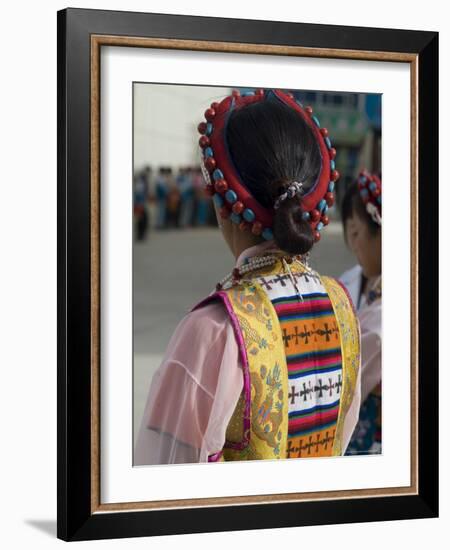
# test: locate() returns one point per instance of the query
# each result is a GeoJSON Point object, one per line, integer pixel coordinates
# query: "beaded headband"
{"type": "Point", "coordinates": [369, 186]}
{"type": "Point", "coordinates": [223, 182]}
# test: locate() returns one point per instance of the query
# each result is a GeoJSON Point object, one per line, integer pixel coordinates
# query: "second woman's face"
{"type": "Point", "coordinates": [365, 245]}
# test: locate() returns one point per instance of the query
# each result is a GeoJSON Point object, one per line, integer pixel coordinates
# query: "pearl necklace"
{"type": "Point", "coordinates": [257, 262]}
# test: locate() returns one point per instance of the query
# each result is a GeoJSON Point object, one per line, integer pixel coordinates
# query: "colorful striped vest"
{"type": "Point", "coordinates": [300, 357]}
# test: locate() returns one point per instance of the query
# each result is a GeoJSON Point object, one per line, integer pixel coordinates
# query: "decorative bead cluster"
{"type": "Point", "coordinates": [295, 188]}
{"type": "Point", "coordinates": [369, 186]}
{"type": "Point", "coordinates": [227, 200]}
{"type": "Point", "coordinates": [256, 262]}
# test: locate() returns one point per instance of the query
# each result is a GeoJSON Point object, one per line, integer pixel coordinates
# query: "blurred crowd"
{"type": "Point", "coordinates": [170, 199]}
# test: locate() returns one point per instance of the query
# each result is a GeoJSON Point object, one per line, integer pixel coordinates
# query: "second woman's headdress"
{"type": "Point", "coordinates": [369, 186]}
{"type": "Point", "coordinates": [224, 183]}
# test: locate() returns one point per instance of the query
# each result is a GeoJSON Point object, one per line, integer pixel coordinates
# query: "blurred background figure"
{"type": "Point", "coordinates": [161, 194]}
{"type": "Point", "coordinates": [140, 200]}
{"type": "Point", "coordinates": [186, 190]}
{"type": "Point", "coordinates": [172, 201]}
{"type": "Point", "coordinates": [202, 200]}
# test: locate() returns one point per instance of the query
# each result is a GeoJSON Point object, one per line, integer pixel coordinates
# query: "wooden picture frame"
{"type": "Point", "coordinates": [81, 35]}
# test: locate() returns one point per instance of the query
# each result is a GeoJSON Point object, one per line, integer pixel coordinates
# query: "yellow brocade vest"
{"type": "Point", "coordinates": [299, 343]}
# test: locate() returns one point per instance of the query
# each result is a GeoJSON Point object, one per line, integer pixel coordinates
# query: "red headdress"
{"type": "Point", "coordinates": [369, 186]}
{"type": "Point", "coordinates": [224, 183]}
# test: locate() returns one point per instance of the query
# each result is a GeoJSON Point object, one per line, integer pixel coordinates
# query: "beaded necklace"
{"type": "Point", "coordinates": [257, 262]}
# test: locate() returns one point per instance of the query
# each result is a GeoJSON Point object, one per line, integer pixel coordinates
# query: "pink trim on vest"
{"type": "Point", "coordinates": [215, 457]}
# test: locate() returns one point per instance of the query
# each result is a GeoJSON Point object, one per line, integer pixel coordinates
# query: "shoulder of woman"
{"type": "Point", "coordinates": [201, 330]}
{"type": "Point", "coordinates": [351, 275]}
{"type": "Point", "coordinates": [209, 318]}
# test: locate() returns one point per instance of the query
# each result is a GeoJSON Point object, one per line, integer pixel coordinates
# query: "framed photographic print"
{"type": "Point", "coordinates": [245, 339]}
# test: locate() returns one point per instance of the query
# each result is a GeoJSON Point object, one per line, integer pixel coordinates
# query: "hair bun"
{"type": "Point", "coordinates": [291, 232]}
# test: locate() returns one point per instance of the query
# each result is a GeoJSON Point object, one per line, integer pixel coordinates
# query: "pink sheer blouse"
{"type": "Point", "coordinates": [194, 392]}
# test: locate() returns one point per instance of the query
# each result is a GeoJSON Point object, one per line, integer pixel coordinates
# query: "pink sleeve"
{"type": "Point", "coordinates": [194, 391]}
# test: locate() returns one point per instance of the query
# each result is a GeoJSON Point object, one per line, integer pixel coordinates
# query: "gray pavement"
{"type": "Point", "coordinates": [175, 268]}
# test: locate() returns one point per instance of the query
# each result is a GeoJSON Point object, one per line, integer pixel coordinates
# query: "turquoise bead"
{"type": "Point", "coordinates": [364, 192]}
{"type": "Point", "coordinates": [300, 104]}
{"type": "Point", "coordinates": [217, 174]}
{"type": "Point", "coordinates": [328, 142]}
{"type": "Point", "coordinates": [332, 165]}
{"type": "Point", "coordinates": [372, 186]}
{"type": "Point", "coordinates": [218, 200]}
{"type": "Point", "coordinates": [249, 215]}
{"type": "Point", "coordinates": [379, 199]}
{"type": "Point", "coordinates": [322, 205]}
{"type": "Point", "coordinates": [231, 196]}
{"type": "Point", "coordinates": [235, 218]}
{"type": "Point", "coordinates": [331, 186]}
{"type": "Point", "coordinates": [208, 152]}
{"type": "Point", "coordinates": [267, 234]}
{"type": "Point", "coordinates": [248, 93]}
{"type": "Point", "coordinates": [316, 121]}
{"type": "Point", "coordinates": [306, 216]}
{"type": "Point", "coordinates": [319, 226]}
{"type": "Point", "coordinates": [209, 128]}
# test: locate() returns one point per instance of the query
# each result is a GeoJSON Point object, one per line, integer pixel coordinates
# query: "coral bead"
{"type": "Point", "coordinates": [376, 192]}
{"type": "Point", "coordinates": [315, 215]}
{"type": "Point", "coordinates": [325, 220]}
{"type": "Point", "coordinates": [235, 93]}
{"type": "Point", "coordinates": [329, 197]}
{"type": "Point", "coordinates": [309, 110]}
{"type": "Point", "coordinates": [210, 114]}
{"type": "Point", "coordinates": [203, 141]}
{"type": "Point", "coordinates": [224, 212]}
{"type": "Point", "coordinates": [334, 175]}
{"type": "Point", "coordinates": [316, 236]}
{"type": "Point", "coordinates": [201, 127]}
{"type": "Point", "coordinates": [209, 190]}
{"type": "Point", "coordinates": [244, 226]}
{"type": "Point", "coordinates": [214, 105]}
{"type": "Point", "coordinates": [324, 132]}
{"type": "Point", "coordinates": [332, 153]}
{"type": "Point", "coordinates": [257, 228]}
{"type": "Point", "coordinates": [220, 186]}
{"type": "Point", "coordinates": [210, 164]}
{"type": "Point", "coordinates": [238, 207]}
{"type": "Point", "coordinates": [259, 92]}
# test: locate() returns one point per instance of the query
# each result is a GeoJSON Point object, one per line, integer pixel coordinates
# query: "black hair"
{"type": "Point", "coordinates": [352, 203]}
{"type": "Point", "coordinates": [271, 146]}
